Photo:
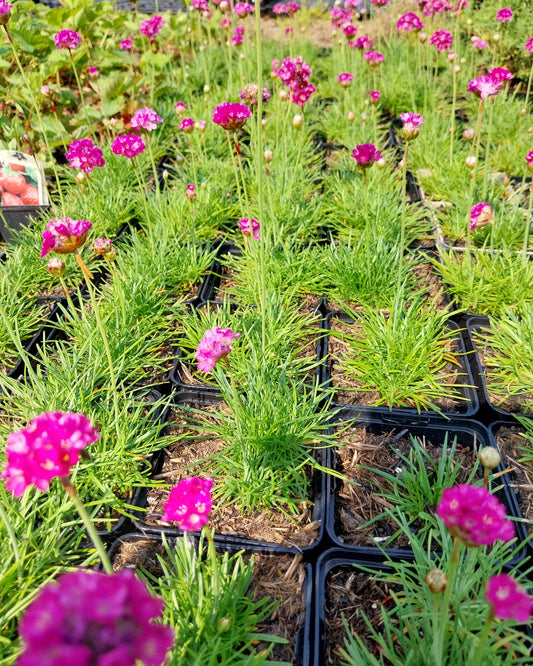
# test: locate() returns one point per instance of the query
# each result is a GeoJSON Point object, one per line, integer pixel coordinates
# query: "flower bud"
{"type": "Point", "coordinates": [268, 156]}
{"type": "Point", "coordinates": [523, 112]}
{"type": "Point", "coordinates": [469, 21]}
{"type": "Point", "coordinates": [456, 69]}
{"type": "Point", "coordinates": [111, 254]}
{"type": "Point", "coordinates": [401, 164]}
{"type": "Point", "coordinates": [470, 162]}
{"type": "Point", "coordinates": [469, 134]}
{"type": "Point", "coordinates": [56, 266]}
{"type": "Point", "coordinates": [298, 121]}
{"type": "Point", "coordinates": [422, 37]}
{"type": "Point", "coordinates": [224, 624]}
{"type": "Point", "coordinates": [364, 117]}
{"type": "Point", "coordinates": [263, 122]}
{"type": "Point", "coordinates": [190, 192]}
{"type": "Point", "coordinates": [224, 6]}
{"type": "Point", "coordinates": [283, 94]}
{"type": "Point", "coordinates": [496, 37]}
{"type": "Point", "coordinates": [206, 88]}
{"type": "Point", "coordinates": [80, 177]}
{"type": "Point", "coordinates": [380, 163]}
{"type": "Point", "coordinates": [200, 125]}
{"type": "Point", "coordinates": [102, 246]}
{"type": "Point", "coordinates": [452, 56]}
{"type": "Point", "coordinates": [201, 48]}
{"type": "Point", "coordinates": [489, 457]}
{"type": "Point", "coordinates": [242, 57]}
{"type": "Point", "coordinates": [463, 61]}
{"type": "Point", "coordinates": [113, 122]}
{"type": "Point", "coordinates": [436, 580]}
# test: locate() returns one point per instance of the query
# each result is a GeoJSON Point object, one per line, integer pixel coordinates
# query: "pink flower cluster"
{"type": "Point", "coordinates": [480, 215]}
{"type": "Point", "coordinates": [374, 58]}
{"type": "Point", "coordinates": [411, 125]}
{"type": "Point", "coordinates": [362, 42]}
{"type": "Point", "coordinates": [64, 235]}
{"type": "Point", "coordinates": [500, 74]}
{"type": "Point", "coordinates": [231, 116]}
{"type": "Point", "coordinates": [509, 600]}
{"type": "Point", "coordinates": [345, 80]}
{"type": "Point", "coordinates": [505, 14]}
{"type": "Point", "coordinates": [200, 5]}
{"type": "Point", "coordinates": [475, 516]}
{"type": "Point", "coordinates": [250, 227]}
{"type": "Point", "coordinates": [126, 45]}
{"type": "Point", "coordinates": [349, 31]}
{"type": "Point", "coordinates": [365, 155]}
{"type": "Point", "coordinates": [84, 155]}
{"type": "Point", "coordinates": [46, 448]}
{"type": "Point", "coordinates": [128, 145]}
{"type": "Point", "coordinates": [189, 503]}
{"type": "Point", "coordinates": [5, 11]}
{"type": "Point", "coordinates": [529, 161]}
{"type": "Point", "coordinates": [146, 119]}
{"type": "Point", "coordinates": [479, 43]}
{"type": "Point", "coordinates": [295, 73]}
{"type": "Point", "coordinates": [442, 39]}
{"type": "Point", "coordinates": [242, 9]}
{"type": "Point", "coordinates": [529, 45]}
{"type": "Point", "coordinates": [340, 17]}
{"type": "Point", "coordinates": [187, 125]}
{"type": "Point", "coordinates": [289, 8]}
{"type": "Point", "coordinates": [374, 96]}
{"type": "Point", "coordinates": [67, 39]}
{"type": "Point", "coordinates": [88, 618]}
{"type": "Point", "coordinates": [238, 37]}
{"type": "Point", "coordinates": [431, 7]}
{"type": "Point", "coordinates": [409, 22]}
{"type": "Point", "coordinates": [152, 27]}
{"type": "Point", "coordinates": [484, 86]}
{"type": "Point", "coordinates": [180, 107]}
{"type": "Point", "coordinates": [215, 344]}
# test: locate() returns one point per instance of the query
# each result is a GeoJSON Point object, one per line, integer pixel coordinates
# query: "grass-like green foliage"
{"type": "Point", "coordinates": [490, 283]}
{"type": "Point", "coordinates": [208, 604]}
{"type": "Point", "coordinates": [403, 355]}
{"type": "Point", "coordinates": [527, 449]}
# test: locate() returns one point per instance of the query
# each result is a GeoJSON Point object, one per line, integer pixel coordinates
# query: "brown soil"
{"type": "Point", "coordinates": [358, 498]}
{"type": "Point", "coordinates": [183, 459]}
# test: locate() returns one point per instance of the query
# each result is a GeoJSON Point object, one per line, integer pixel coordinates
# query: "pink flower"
{"type": "Point", "coordinates": [102, 246]}
{"type": "Point", "coordinates": [200, 5]}
{"type": "Point", "coordinates": [374, 58]}
{"type": "Point", "coordinates": [93, 73]}
{"type": "Point", "coordinates": [500, 74]}
{"type": "Point", "coordinates": [480, 215]}
{"type": "Point", "coordinates": [474, 515]}
{"type": "Point", "coordinates": [5, 12]}
{"type": "Point", "coordinates": [504, 15]}
{"type": "Point", "coordinates": [509, 600]}
{"type": "Point", "coordinates": [215, 344]}
{"type": "Point", "coordinates": [190, 192]}
{"type": "Point", "coordinates": [380, 3]}
{"type": "Point", "coordinates": [242, 9]}
{"type": "Point", "coordinates": [226, 23]}
{"type": "Point", "coordinates": [479, 44]}
{"type": "Point", "coordinates": [345, 80]}
{"type": "Point", "coordinates": [484, 86]}
{"type": "Point", "coordinates": [231, 116]}
{"type": "Point", "coordinates": [291, 8]}
{"type": "Point", "coordinates": [349, 31]}
{"type": "Point", "coordinates": [431, 7]}
{"type": "Point", "coordinates": [411, 125]}
{"type": "Point", "coordinates": [126, 45]}
{"type": "Point", "coordinates": [237, 40]}
{"type": "Point", "coordinates": [200, 125]}
{"type": "Point", "coordinates": [146, 119]}
{"type": "Point", "coordinates": [374, 96]}
{"type": "Point", "coordinates": [90, 617]}
{"type": "Point", "coordinates": [529, 45]}
{"type": "Point", "coordinates": [180, 107]}
{"type": "Point", "coordinates": [340, 17]}
{"type": "Point", "coordinates": [249, 94]}
{"type": "Point", "coordinates": [189, 503]}
{"type": "Point", "coordinates": [128, 145]}
{"type": "Point", "coordinates": [250, 227]}
{"type": "Point", "coordinates": [365, 155]}
{"type": "Point", "coordinates": [529, 160]}
{"type": "Point", "coordinates": [67, 39]}
{"type": "Point", "coordinates": [84, 155]}
{"type": "Point", "coordinates": [152, 27]}
{"type": "Point", "coordinates": [64, 235]}
{"type": "Point", "coordinates": [442, 39]}
{"type": "Point", "coordinates": [48, 447]}
{"type": "Point", "coordinates": [279, 8]}
{"type": "Point", "coordinates": [409, 22]}
{"type": "Point", "coordinates": [302, 95]}
{"type": "Point", "coordinates": [362, 42]}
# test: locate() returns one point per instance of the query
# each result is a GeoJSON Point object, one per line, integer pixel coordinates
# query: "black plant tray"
{"type": "Point", "coordinates": [467, 432]}
{"type": "Point", "coordinates": [13, 218]}
{"type": "Point", "coordinates": [318, 495]}
{"type": "Point", "coordinates": [467, 407]}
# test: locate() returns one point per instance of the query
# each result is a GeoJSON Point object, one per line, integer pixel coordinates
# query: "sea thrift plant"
{"type": "Point", "coordinates": [5, 12]}
{"type": "Point", "coordinates": [242, 9]}
{"type": "Point", "coordinates": [409, 22]}
{"type": "Point", "coordinates": [374, 58]}
{"type": "Point", "coordinates": [411, 125]}
{"type": "Point", "coordinates": [479, 44]}
{"type": "Point", "coordinates": [187, 125]}
{"type": "Point", "coordinates": [88, 618]}
{"type": "Point", "coordinates": [250, 227]}
{"type": "Point", "coordinates": [366, 155]}
{"type": "Point", "coordinates": [500, 74]}
{"type": "Point", "coordinates": [249, 94]}
{"type": "Point", "coordinates": [129, 145]}
{"type": "Point", "coordinates": [505, 14]}
{"type": "Point", "coordinates": [215, 344]}
{"type": "Point", "coordinates": [126, 45]}
{"type": "Point", "coordinates": [295, 74]}
{"type": "Point", "coordinates": [474, 515]}
{"type": "Point", "coordinates": [152, 27]}
{"type": "Point", "coordinates": [508, 599]}
{"type": "Point", "coordinates": [189, 503]}
{"type": "Point", "coordinates": [47, 448]}
{"type": "Point", "coordinates": [529, 161]}
{"type": "Point", "coordinates": [84, 155]}
{"type": "Point", "coordinates": [180, 108]}
{"type": "Point", "coordinates": [480, 215]}
{"type": "Point", "coordinates": [528, 46]}
{"type": "Point", "coordinates": [362, 42]}
{"type": "Point", "coordinates": [64, 235]}
{"type": "Point", "coordinates": [374, 96]}
{"type": "Point", "coordinates": [67, 39]}
{"type": "Point", "coordinates": [442, 39]}
{"type": "Point", "coordinates": [484, 86]}
{"type": "Point", "coordinates": [345, 80]}
{"type": "Point", "coordinates": [190, 192]}
{"type": "Point", "coordinates": [146, 119]}
{"type": "Point", "coordinates": [231, 116]}
{"type": "Point", "coordinates": [349, 31]}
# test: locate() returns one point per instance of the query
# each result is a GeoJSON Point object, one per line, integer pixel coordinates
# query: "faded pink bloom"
{"type": "Point", "coordinates": [374, 58]}
{"type": "Point", "coordinates": [349, 31]}
{"type": "Point", "coordinates": [374, 96]}
{"type": "Point", "coordinates": [292, 8]}
{"type": "Point", "coordinates": [102, 246]}
{"type": "Point", "coordinates": [366, 155]}
{"type": "Point", "coordinates": [479, 44]}
{"type": "Point", "coordinates": [200, 5]}
{"type": "Point", "coordinates": [279, 8]}
{"type": "Point", "coordinates": [431, 7]}
{"type": "Point", "coordinates": [480, 215]}
{"type": "Point", "coordinates": [461, 4]}
{"type": "Point", "coordinates": [126, 45]}
{"type": "Point", "coordinates": [215, 344]}
{"type": "Point", "coordinates": [48, 447]}
{"type": "Point", "coordinates": [362, 42]}
{"type": "Point", "coordinates": [249, 94]}
{"type": "Point", "coordinates": [340, 17]}
{"type": "Point", "coordinates": [200, 125]}
{"type": "Point", "coordinates": [231, 116]}
{"type": "Point", "coordinates": [152, 27]}
{"type": "Point", "coordinates": [189, 503]}
{"type": "Point", "coordinates": [500, 74]}
{"type": "Point", "coordinates": [411, 125]}
{"type": "Point", "coordinates": [91, 617]}
{"type": "Point", "coordinates": [409, 22]}
{"type": "Point", "coordinates": [504, 15]}
{"type": "Point", "coordinates": [146, 119]}
{"type": "Point", "coordinates": [242, 9]}
{"type": "Point", "coordinates": [380, 3]}
{"type": "Point", "coordinates": [64, 235]}
{"type": "Point", "coordinates": [190, 192]}
{"type": "Point", "coordinates": [84, 155]}
{"type": "Point", "coordinates": [180, 107]}
{"type": "Point", "coordinates": [529, 45]}
{"type": "Point", "coordinates": [484, 86]}
{"type": "Point", "coordinates": [442, 39]}
{"type": "Point", "coordinates": [345, 80]}
{"type": "Point", "coordinates": [67, 39]}
{"type": "Point", "coordinates": [529, 160]}
{"type": "Point", "coordinates": [508, 599]}
{"type": "Point", "coordinates": [128, 145]}
{"type": "Point", "coordinates": [474, 515]}
{"type": "Point", "coordinates": [226, 23]}
{"type": "Point", "coordinates": [93, 73]}
{"type": "Point", "coordinates": [289, 30]}
{"type": "Point", "coordinates": [250, 227]}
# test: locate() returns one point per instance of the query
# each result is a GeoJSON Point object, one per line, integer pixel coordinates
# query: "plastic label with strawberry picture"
{"type": "Point", "coordinates": [21, 180]}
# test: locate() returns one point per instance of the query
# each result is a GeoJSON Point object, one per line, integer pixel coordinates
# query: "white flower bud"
{"type": "Point", "coordinates": [298, 121]}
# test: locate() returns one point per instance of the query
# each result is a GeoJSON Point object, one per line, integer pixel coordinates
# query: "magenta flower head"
{"type": "Point", "coordinates": [48, 447]}
{"type": "Point", "coordinates": [362, 42]}
{"type": "Point", "coordinates": [187, 125]}
{"type": "Point", "coordinates": [190, 192]}
{"type": "Point", "coordinates": [180, 107]}
{"type": "Point", "coordinates": [480, 215]}
{"type": "Point", "coordinates": [528, 46]}
{"type": "Point", "coordinates": [152, 27]}
{"type": "Point", "coordinates": [64, 235]}
{"type": "Point", "coordinates": [90, 617]}
{"type": "Point", "coordinates": [473, 515]}
{"type": "Point", "coordinates": [374, 58]}
{"type": "Point", "coordinates": [84, 155]}
{"type": "Point", "coordinates": [242, 9]}
{"type": "Point", "coordinates": [442, 39]}
{"type": "Point", "coordinates": [508, 599]}
{"type": "Point", "coordinates": [128, 145]}
{"type": "Point", "coordinates": [291, 8]}
{"type": "Point", "coordinates": [189, 503]}
{"type": "Point", "coordinates": [250, 227]}
{"type": "Point", "coordinates": [409, 22]}
{"type": "Point", "coordinates": [67, 39]}
{"type": "Point", "coordinates": [365, 155]}
{"type": "Point", "coordinates": [500, 74]}
{"type": "Point", "coordinates": [5, 12]}
{"type": "Point", "coordinates": [279, 8]}
{"type": "Point", "coordinates": [349, 31]}
{"type": "Point", "coordinates": [215, 344]}
{"type": "Point", "coordinates": [411, 125]}
{"type": "Point", "coordinates": [479, 44]}
{"type": "Point", "coordinates": [484, 86]}
{"type": "Point", "coordinates": [374, 96]}
{"type": "Point", "coordinates": [126, 45]}
{"type": "Point", "coordinates": [102, 246]}
{"type": "Point", "coordinates": [231, 116]}
{"type": "Point", "coordinates": [529, 161]}
{"type": "Point", "coordinates": [345, 80]}
{"type": "Point", "coordinates": [146, 119]}
{"type": "Point", "coordinates": [504, 15]}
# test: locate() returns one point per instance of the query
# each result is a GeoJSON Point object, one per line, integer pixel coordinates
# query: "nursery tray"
{"type": "Point", "coordinates": [13, 218]}
{"type": "Point", "coordinates": [318, 491]}
{"type": "Point", "coordinates": [468, 433]}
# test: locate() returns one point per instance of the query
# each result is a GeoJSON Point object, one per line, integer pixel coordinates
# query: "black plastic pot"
{"type": "Point", "coordinates": [13, 218]}
{"type": "Point", "coordinates": [467, 433]}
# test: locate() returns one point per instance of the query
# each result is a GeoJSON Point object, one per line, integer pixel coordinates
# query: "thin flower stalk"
{"type": "Point", "coordinates": [528, 221]}
{"type": "Point", "coordinates": [473, 176]}
{"type": "Point", "coordinates": [452, 117]}
{"type": "Point", "coordinates": [487, 150]}
{"type": "Point", "coordinates": [240, 194]}
{"type": "Point", "coordinates": [90, 125]}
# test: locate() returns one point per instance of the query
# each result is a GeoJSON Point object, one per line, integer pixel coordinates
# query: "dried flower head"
{"type": "Point", "coordinates": [249, 94]}
{"type": "Point", "coordinates": [215, 344]}
{"type": "Point", "coordinates": [508, 599]}
{"type": "Point", "coordinates": [64, 235]}
{"type": "Point", "coordinates": [436, 580]}
{"type": "Point", "coordinates": [146, 119]}
{"type": "Point", "coordinates": [101, 246]}
{"type": "Point", "coordinates": [84, 155]}
{"type": "Point", "coordinates": [189, 503]}
{"type": "Point", "coordinates": [67, 39]}
{"type": "Point", "coordinates": [128, 145]}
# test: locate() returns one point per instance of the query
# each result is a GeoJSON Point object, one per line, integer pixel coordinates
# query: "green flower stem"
{"type": "Point", "coordinates": [89, 525]}
{"type": "Point", "coordinates": [483, 636]}
{"type": "Point", "coordinates": [10, 532]}
{"type": "Point", "coordinates": [67, 294]}
{"type": "Point", "coordinates": [529, 85]}
{"type": "Point", "coordinates": [154, 168]}
{"type": "Point", "coordinates": [487, 150]}
{"type": "Point", "coordinates": [16, 341]}
{"type": "Point", "coordinates": [404, 207]}
{"type": "Point", "coordinates": [76, 75]}
{"type": "Point", "coordinates": [452, 123]}
{"type": "Point", "coordinates": [211, 550]}
{"type": "Point", "coordinates": [142, 188]}
{"type": "Point", "coordinates": [473, 177]}
{"type": "Point", "coordinates": [528, 222]}
{"type": "Point", "coordinates": [235, 171]}
{"type": "Point", "coordinates": [439, 638]}
{"type": "Point", "coordinates": [246, 198]}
